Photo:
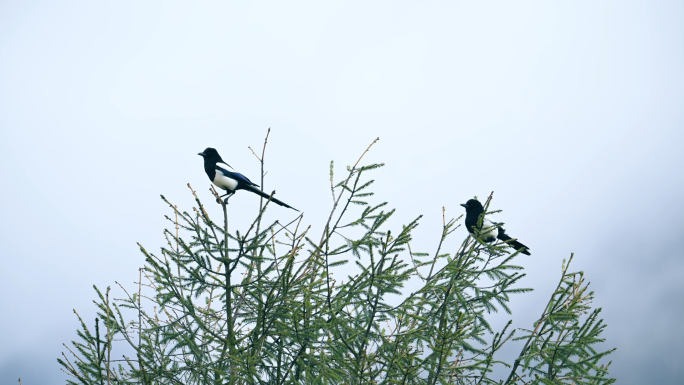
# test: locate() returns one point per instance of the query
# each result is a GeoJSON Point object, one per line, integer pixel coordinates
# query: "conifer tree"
{"type": "Point", "coordinates": [268, 304]}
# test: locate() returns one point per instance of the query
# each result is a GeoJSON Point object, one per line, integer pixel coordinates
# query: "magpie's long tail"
{"type": "Point", "coordinates": [514, 243]}
{"type": "Point", "coordinates": [274, 200]}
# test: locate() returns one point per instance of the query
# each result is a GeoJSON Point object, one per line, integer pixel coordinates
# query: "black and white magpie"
{"type": "Point", "coordinates": [487, 230]}
{"type": "Point", "coordinates": [231, 181]}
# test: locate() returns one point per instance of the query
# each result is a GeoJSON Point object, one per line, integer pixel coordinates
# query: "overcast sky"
{"type": "Point", "coordinates": [570, 111]}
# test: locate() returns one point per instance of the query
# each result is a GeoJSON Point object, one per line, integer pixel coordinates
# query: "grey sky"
{"type": "Point", "coordinates": [570, 111]}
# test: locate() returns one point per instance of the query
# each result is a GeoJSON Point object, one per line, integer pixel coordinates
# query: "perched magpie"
{"type": "Point", "coordinates": [231, 181]}
{"type": "Point", "coordinates": [486, 233]}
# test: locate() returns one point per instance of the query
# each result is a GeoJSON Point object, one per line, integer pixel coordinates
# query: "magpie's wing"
{"type": "Point", "coordinates": [223, 170]}
{"type": "Point", "coordinates": [235, 175]}
{"type": "Point", "coordinates": [244, 179]}
{"type": "Point", "coordinates": [489, 224]}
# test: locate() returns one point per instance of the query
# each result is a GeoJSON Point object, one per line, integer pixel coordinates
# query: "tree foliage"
{"type": "Point", "coordinates": [266, 304]}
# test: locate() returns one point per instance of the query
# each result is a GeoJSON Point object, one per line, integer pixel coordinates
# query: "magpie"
{"type": "Point", "coordinates": [231, 181]}
{"type": "Point", "coordinates": [486, 232]}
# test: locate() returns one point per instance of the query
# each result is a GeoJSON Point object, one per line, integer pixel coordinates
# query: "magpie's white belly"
{"type": "Point", "coordinates": [488, 233]}
{"type": "Point", "coordinates": [225, 182]}
{"type": "Point", "coordinates": [489, 236]}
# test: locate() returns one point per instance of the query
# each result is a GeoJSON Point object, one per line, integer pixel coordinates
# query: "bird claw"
{"type": "Point", "coordinates": [225, 201]}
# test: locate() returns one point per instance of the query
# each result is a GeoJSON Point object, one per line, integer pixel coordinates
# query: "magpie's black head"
{"type": "Point", "coordinates": [473, 206]}
{"type": "Point", "coordinates": [211, 155]}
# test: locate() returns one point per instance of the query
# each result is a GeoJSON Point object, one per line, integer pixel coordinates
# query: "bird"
{"type": "Point", "coordinates": [486, 233]}
{"type": "Point", "coordinates": [231, 181]}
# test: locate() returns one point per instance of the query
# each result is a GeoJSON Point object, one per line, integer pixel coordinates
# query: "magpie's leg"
{"type": "Point", "coordinates": [230, 194]}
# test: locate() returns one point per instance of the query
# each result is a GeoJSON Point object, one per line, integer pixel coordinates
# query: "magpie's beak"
{"type": "Point", "coordinates": [202, 154]}
{"type": "Point", "coordinates": [464, 205]}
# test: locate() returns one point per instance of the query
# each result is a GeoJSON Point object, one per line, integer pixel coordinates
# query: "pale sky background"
{"type": "Point", "coordinates": [570, 111]}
